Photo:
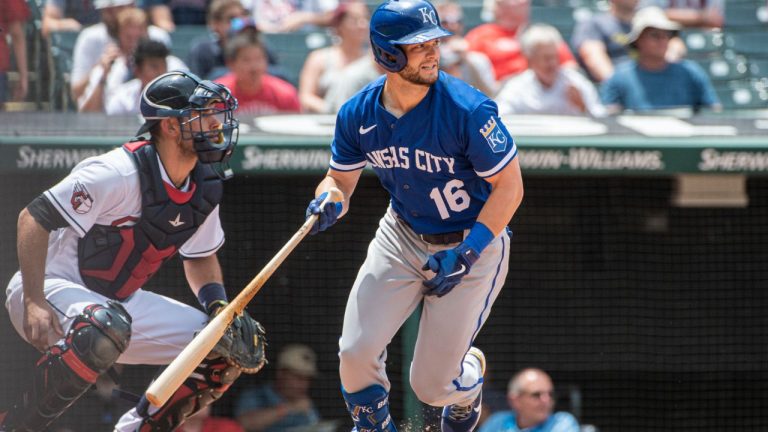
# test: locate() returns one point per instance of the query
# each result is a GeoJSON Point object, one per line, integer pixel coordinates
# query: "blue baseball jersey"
{"type": "Point", "coordinates": [432, 160]}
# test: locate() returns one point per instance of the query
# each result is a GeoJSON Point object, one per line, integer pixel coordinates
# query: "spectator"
{"type": "Point", "coordinates": [531, 396]}
{"type": "Point", "coordinates": [207, 51]}
{"type": "Point", "coordinates": [257, 92]}
{"type": "Point", "coordinates": [284, 403]}
{"type": "Point", "coordinates": [96, 44]}
{"type": "Point", "coordinates": [283, 16]}
{"type": "Point", "coordinates": [203, 421]}
{"type": "Point", "coordinates": [106, 77]}
{"type": "Point", "coordinates": [68, 15]}
{"type": "Point", "coordinates": [692, 13]}
{"type": "Point", "coordinates": [600, 42]}
{"type": "Point", "coordinates": [651, 82]}
{"type": "Point", "coordinates": [546, 87]}
{"type": "Point", "coordinates": [455, 58]}
{"type": "Point", "coordinates": [351, 80]}
{"type": "Point", "coordinates": [324, 65]}
{"type": "Point", "coordinates": [499, 39]}
{"type": "Point", "coordinates": [149, 62]}
{"type": "Point", "coordinates": [12, 20]}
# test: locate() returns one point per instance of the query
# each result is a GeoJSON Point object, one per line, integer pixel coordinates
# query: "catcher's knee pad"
{"type": "Point", "coordinates": [92, 344]}
{"type": "Point", "coordinates": [369, 409]}
{"type": "Point", "coordinates": [206, 385]}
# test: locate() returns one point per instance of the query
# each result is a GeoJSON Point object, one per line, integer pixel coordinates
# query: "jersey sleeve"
{"type": "Point", "coordinates": [490, 146]}
{"type": "Point", "coordinates": [345, 148]}
{"type": "Point", "coordinates": [208, 238]}
{"type": "Point", "coordinates": [86, 193]}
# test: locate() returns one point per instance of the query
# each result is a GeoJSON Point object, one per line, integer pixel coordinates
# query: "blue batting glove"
{"type": "Point", "coordinates": [328, 214]}
{"type": "Point", "coordinates": [449, 267]}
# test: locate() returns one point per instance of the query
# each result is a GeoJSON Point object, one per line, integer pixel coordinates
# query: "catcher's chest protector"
{"type": "Point", "coordinates": [116, 261]}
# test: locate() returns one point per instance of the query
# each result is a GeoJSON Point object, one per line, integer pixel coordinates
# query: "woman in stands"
{"type": "Point", "coordinates": [350, 25]}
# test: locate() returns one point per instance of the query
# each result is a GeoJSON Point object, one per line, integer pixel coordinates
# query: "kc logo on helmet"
{"type": "Point", "coordinates": [428, 14]}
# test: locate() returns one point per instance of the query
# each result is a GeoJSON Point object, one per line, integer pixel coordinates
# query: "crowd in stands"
{"type": "Point", "coordinates": [625, 57]}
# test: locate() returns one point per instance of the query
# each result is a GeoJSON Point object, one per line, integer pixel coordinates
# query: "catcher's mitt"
{"type": "Point", "coordinates": [243, 344]}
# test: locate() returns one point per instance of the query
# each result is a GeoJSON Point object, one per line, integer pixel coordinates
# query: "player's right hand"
{"type": "Point", "coordinates": [39, 321]}
{"type": "Point", "coordinates": [449, 266]}
{"type": "Point", "coordinates": [328, 213]}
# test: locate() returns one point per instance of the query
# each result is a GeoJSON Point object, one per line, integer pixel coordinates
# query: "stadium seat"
{"type": "Point", "coordinates": [293, 48]}
{"type": "Point", "coordinates": [61, 47]}
{"type": "Point", "coordinates": [743, 94]}
{"type": "Point", "coordinates": [473, 15]}
{"type": "Point", "coordinates": [746, 16]}
{"type": "Point", "coordinates": [182, 37]}
{"type": "Point", "coordinates": [758, 68]}
{"type": "Point", "coordinates": [702, 43]}
{"type": "Point", "coordinates": [749, 43]}
{"type": "Point", "coordinates": [561, 17]}
{"type": "Point", "coordinates": [725, 69]}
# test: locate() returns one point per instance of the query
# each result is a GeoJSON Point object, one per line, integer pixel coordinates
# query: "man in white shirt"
{"type": "Point", "coordinates": [546, 87]}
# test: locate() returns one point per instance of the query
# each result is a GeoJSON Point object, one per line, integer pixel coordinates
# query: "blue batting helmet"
{"type": "Point", "coordinates": [402, 22]}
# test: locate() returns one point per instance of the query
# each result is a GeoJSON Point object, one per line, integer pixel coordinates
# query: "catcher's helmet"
{"type": "Point", "coordinates": [401, 22]}
{"type": "Point", "coordinates": [184, 95]}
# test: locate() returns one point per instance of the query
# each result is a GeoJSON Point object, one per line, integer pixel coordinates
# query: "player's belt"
{"type": "Point", "coordinates": [436, 239]}
{"type": "Point", "coordinates": [444, 238]}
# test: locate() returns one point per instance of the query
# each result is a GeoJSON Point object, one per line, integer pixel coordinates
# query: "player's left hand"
{"type": "Point", "coordinates": [449, 267]}
{"type": "Point", "coordinates": [243, 344]}
{"type": "Point", "coordinates": [328, 213]}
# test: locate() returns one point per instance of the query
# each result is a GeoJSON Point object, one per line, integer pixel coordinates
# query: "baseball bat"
{"type": "Point", "coordinates": [182, 366]}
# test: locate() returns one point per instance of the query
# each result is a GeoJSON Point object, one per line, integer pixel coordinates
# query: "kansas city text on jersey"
{"type": "Point", "coordinates": [399, 157]}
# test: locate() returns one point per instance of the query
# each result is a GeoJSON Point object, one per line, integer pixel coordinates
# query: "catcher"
{"type": "Point", "coordinates": [87, 245]}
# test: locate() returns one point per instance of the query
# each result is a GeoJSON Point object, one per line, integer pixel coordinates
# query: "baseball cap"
{"type": "Point", "coordinates": [298, 358]}
{"type": "Point", "coordinates": [650, 17]}
{"type": "Point", "coordinates": [103, 4]}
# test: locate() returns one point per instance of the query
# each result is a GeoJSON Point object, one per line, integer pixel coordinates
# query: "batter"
{"type": "Point", "coordinates": [450, 166]}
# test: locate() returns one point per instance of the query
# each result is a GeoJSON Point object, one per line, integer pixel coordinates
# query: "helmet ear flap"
{"type": "Point", "coordinates": [391, 57]}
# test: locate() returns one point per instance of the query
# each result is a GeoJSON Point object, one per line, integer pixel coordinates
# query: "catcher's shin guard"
{"type": "Point", "coordinates": [93, 343]}
{"type": "Point", "coordinates": [369, 409]}
{"type": "Point", "coordinates": [206, 385]}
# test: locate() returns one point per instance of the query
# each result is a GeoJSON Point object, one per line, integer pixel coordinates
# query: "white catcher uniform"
{"type": "Point", "coordinates": [105, 190]}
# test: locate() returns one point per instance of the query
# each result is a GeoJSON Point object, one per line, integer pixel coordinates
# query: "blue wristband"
{"type": "Point", "coordinates": [479, 237]}
{"type": "Point", "coordinates": [211, 293]}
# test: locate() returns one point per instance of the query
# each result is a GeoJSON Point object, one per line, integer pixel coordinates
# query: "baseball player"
{"type": "Point", "coordinates": [440, 150]}
{"type": "Point", "coordinates": [88, 244]}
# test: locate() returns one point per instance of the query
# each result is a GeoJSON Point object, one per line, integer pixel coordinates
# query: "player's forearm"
{"type": "Point", "coordinates": [505, 198]}
{"type": "Point", "coordinates": [32, 249]}
{"type": "Point", "coordinates": [201, 271]}
{"type": "Point", "coordinates": [345, 181]}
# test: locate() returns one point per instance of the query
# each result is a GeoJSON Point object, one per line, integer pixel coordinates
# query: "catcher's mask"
{"type": "Point", "coordinates": [186, 97]}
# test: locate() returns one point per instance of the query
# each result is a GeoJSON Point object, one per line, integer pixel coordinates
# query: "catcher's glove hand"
{"type": "Point", "coordinates": [243, 344]}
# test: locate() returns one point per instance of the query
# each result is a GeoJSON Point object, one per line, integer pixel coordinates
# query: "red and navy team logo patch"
{"type": "Point", "coordinates": [494, 136]}
{"type": "Point", "coordinates": [81, 200]}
